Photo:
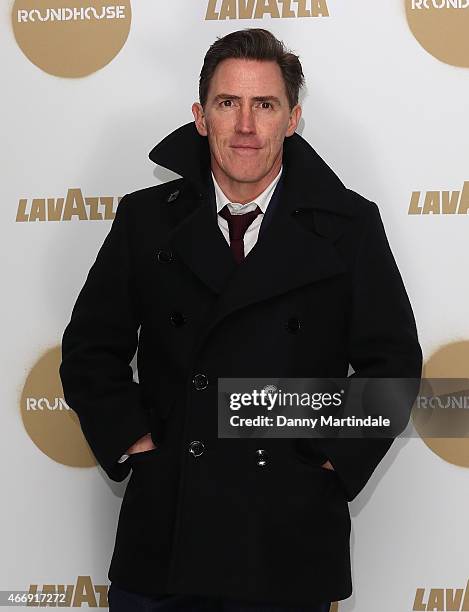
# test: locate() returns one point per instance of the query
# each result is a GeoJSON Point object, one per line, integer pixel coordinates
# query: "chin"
{"type": "Point", "coordinates": [247, 175]}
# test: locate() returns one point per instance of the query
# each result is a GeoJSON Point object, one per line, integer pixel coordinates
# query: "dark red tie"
{"type": "Point", "coordinates": [237, 225]}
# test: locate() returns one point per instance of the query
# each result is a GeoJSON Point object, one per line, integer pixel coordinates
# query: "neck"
{"type": "Point", "coordinates": [241, 192]}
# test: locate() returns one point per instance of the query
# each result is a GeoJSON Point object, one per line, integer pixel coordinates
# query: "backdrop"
{"type": "Point", "coordinates": [88, 88]}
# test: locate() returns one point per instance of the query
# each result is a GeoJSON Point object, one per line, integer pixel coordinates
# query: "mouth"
{"type": "Point", "coordinates": [245, 149]}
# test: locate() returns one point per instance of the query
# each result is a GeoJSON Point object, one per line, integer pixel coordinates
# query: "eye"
{"type": "Point", "coordinates": [266, 105]}
{"type": "Point", "coordinates": [227, 103]}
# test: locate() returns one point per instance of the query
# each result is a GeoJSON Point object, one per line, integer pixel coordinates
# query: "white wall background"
{"type": "Point", "coordinates": [386, 115]}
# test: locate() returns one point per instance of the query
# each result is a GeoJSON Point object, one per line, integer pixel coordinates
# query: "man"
{"type": "Point", "coordinates": [258, 262]}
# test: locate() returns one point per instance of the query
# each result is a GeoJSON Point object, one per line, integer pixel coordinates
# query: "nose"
{"type": "Point", "coordinates": [245, 123]}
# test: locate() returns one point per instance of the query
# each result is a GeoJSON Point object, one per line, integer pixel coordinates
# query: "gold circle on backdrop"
{"type": "Point", "coordinates": [441, 27]}
{"type": "Point", "coordinates": [71, 38]}
{"type": "Point", "coordinates": [449, 362]}
{"type": "Point", "coordinates": [52, 426]}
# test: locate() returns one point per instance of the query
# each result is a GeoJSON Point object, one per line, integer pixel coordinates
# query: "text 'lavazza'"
{"type": "Point", "coordinates": [256, 9]}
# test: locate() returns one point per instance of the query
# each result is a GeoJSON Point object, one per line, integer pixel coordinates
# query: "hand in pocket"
{"type": "Point", "coordinates": [145, 443]}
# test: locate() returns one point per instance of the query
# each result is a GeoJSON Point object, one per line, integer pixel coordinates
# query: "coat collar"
{"type": "Point", "coordinates": [288, 255]}
{"type": "Point", "coordinates": [308, 179]}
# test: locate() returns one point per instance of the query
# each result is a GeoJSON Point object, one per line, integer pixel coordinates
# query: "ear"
{"type": "Point", "coordinates": [294, 119]}
{"type": "Point", "coordinates": [199, 116]}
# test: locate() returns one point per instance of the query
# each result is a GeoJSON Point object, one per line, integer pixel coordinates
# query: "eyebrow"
{"type": "Point", "coordinates": [224, 96]}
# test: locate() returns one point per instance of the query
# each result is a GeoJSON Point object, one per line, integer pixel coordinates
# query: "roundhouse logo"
{"type": "Point", "coordinates": [441, 27]}
{"type": "Point", "coordinates": [71, 38]}
{"type": "Point", "coordinates": [447, 363]}
{"type": "Point", "coordinates": [49, 421]}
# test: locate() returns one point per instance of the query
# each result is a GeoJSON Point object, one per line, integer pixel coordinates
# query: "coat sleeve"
{"type": "Point", "coordinates": [382, 343]}
{"type": "Point", "coordinates": [98, 345]}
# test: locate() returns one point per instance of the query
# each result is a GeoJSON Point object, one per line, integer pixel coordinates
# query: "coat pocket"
{"type": "Point", "coordinates": [303, 451]}
{"type": "Point", "coordinates": [143, 455]}
{"type": "Point", "coordinates": [305, 457]}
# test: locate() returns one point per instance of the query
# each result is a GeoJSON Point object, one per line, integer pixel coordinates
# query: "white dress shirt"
{"type": "Point", "coordinates": [252, 232]}
{"type": "Point", "coordinates": [262, 200]}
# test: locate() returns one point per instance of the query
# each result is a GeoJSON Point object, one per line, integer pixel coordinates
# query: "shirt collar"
{"type": "Point", "coordinates": [262, 200]}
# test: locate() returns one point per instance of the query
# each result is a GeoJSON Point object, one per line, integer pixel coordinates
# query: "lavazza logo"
{"type": "Point", "coordinates": [71, 38]}
{"type": "Point", "coordinates": [257, 9]}
{"type": "Point", "coordinates": [73, 206]}
{"type": "Point", "coordinates": [440, 202]}
{"type": "Point", "coordinates": [442, 600]}
{"type": "Point", "coordinates": [82, 594]}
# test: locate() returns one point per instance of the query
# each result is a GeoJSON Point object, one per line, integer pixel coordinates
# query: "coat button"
{"type": "Point", "coordinates": [261, 456]}
{"type": "Point", "coordinates": [200, 381]}
{"type": "Point", "coordinates": [293, 325]}
{"type": "Point", "coordinates": [196, 448]}
{"type": "Point", "coordinates": [177, 319]}
{"type": "Point", "coordinates": [173, 196]}
{"type": "Point", "coordinates": [164, 256]}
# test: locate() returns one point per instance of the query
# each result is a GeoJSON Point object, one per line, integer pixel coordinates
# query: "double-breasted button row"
{"type": "Point", "coordinates": [196, 448]}
{"type": "Point", "coordinates": [261, 457]}
{"type": "Point", "coordinates": [293, 325]}
{"type": "Point", "coordinates": [177, 319]}
{"type": "Point", "coordinates": [173, 196]}
{"type": "Point", "coordinates": [200, 382]}
{"type": "Point", "coordinates": [164, 256]}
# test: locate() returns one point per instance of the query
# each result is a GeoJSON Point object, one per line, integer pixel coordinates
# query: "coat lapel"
{"type": "Point", "coordinates": [287, 254]}
{"type": "Point", "coordinates": [199, 243]}
{"type": "Point", "coordinates": [285, 257]}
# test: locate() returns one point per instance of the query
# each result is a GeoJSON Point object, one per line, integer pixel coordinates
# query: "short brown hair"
{"type": "Point", "coordinates": [256, 44]}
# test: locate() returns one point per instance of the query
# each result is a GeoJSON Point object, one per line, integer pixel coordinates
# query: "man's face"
{"type": "Point", "coordinates": [246, 118]}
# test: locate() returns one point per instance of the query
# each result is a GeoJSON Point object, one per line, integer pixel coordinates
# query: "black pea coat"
{"type": "Point", "coordinates": [319, 291]}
